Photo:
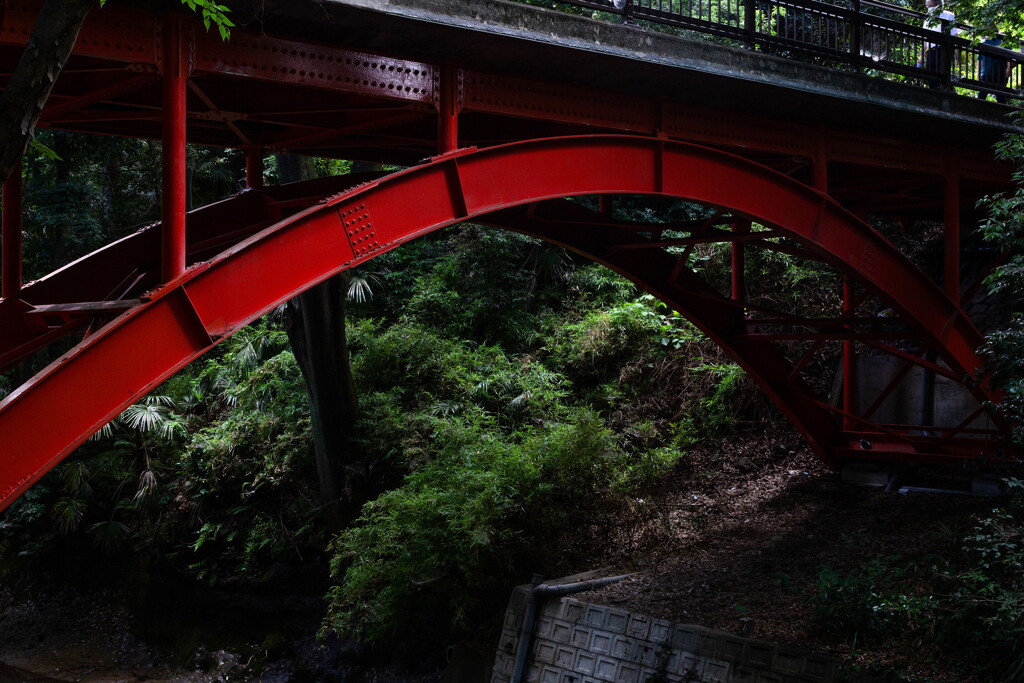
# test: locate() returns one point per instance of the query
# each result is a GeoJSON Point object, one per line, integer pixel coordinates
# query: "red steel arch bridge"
{"type": "Point", "coordinates": [798, 143]}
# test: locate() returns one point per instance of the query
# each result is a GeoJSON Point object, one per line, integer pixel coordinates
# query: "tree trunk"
{"type": "Point", "coordinates": [316, 330]}
{"type": "Point", "coordinates": [48, 48]}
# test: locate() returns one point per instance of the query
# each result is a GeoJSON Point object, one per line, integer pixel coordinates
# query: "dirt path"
{"type": "Point", "coordinates": [746, 533]}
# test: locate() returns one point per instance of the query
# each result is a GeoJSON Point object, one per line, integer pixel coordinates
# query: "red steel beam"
{"type": "Point", "coordinates": [57, 109]}
{"type": "Point", "coordinates": [175, 81]}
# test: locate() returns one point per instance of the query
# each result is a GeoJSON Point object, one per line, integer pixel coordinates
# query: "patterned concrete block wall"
{"type": "Point", "coordinates": [576, 642]}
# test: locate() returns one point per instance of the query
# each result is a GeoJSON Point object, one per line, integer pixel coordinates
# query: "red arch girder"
{"type": "Point", "coordinates": [129, 357]}
{"type": "Point", "coordinates": [661, 274]}
{"type": "Point", "coordinates": [666, 276]}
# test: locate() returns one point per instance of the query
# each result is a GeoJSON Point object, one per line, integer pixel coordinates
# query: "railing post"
{"type": "Point", "coordinates": [749, 21]}
{"type": "Point", "coordinates": [173, 209]}
{"type": "Point", "coordinates": [946, 41]}
{"type": "Point", "coordinates": [855, 25]}
{"type": "Point", "coordinates": [11, 268]}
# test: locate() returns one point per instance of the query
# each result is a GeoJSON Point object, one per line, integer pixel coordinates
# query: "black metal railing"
{"type": "Point", "coordinates": [875, 37]}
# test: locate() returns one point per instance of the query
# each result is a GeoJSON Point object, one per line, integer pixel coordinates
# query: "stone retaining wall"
{"type": "Point", "coordinates": [577, 642]}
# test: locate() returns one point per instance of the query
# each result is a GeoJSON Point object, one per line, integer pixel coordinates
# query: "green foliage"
{"type": "Point", "coordinates": [1004, 227]}
{"type": "Point", "coordinates": [483, 288]}
{"type": "Point", "coordinates": [1004, 354]}
{"type": "Point", "coordinates": [971, 602]}
{"type": "Point", "coordinates": [993, 16]}
{"type": "Point", "coordinates": [212, 13]}
{"type": "Point", "coordinates": [249, 475]}
{"type": "Point", "coordinates": [1004, 349]}
{"type": "Point", "coordinates": [861, 607]}
{"type": "Point", "coordinates": [424, 556]}
{"type": "Point", "coordinates": [603, 338]}
{"type": "Point", "coordinates": [593, 284]}
{"type": "Point", "coordinates": [37, 148]}
{"type": "Point", "coordinates": [255, 442]}
{"type": "Point", "coordinates": [496, 455]}
{"type": "Point", "coordinates": [408, 376]}
{"type": "Point", "coordinates": [674, 330]}
{"type": "Point", "coordinates": [21, 523]}
{"type": "Point", "coordinates": [716, 413]}
{"type": "Point", "coordinates": [986, 599]}
{"type": "Point", "coordinates": [331, 167]}
{"type": "Point", "coordinates": [94, 191]}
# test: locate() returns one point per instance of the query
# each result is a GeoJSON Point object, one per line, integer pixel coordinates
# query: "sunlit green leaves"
{"type": "Point", "coordinates": [213, 15]}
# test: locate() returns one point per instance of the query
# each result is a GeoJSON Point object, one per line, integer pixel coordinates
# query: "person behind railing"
{"type": "Point", "coordinates": [621, 5]}
{"type": "Point", "coordinates": [937, 19]}
{"type": "Point", "coordinates": [993, 70]}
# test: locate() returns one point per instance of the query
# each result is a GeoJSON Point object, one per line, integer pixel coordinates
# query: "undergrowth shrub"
{"type": "Point", "coordinates": [728, 399]}
{"type": "Point", "coordinates": [485, 287]}
{"type": "Point", "coordinates": [594, 285]}
{"type": "Point", "coordinates": [245, 496]}
{"type": "Point", "coordinates": [985, 607]}
{"type": "Point", "coordinates": [603, 339]}
{"type": "Point", "coordinates": [408, 373]}
{"type": "Point", "coordinates": [969, 603]}
{"type": "Point", "coordinates": [866, 606]}
{"type": "Point", "coordinates": [425, 557]}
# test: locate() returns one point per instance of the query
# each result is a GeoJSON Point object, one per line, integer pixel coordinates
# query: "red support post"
{"type": "Point", "coordinates": [951, 275]}
{"type": "Point", "coordinates": [448, 110]}
{"type": "Point", "coordinates": [819, 171]}
{"type": "Point", "coordinates": [849, 361]}
{"type": "Point", "coordinates": [11, 269]}
{"type": "Point", "coordinates": [254, 168]}
{"type": "Point", "coordinates": [175, 77]}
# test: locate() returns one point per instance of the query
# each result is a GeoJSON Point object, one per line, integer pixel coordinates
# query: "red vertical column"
{"type": "Point", "coordinates": [11, 273]}
{"type": "Point", "coordinates": [175, 77]}
{"type": "Point", "coordinates": [849, 360]}
{"type": "Point", "coordinates": [951, 274]}
{"type": "Point", "coordinates": [254, 168]}
{"type": "Point", "coordinates": [819, 170]}
{"type": "Point", "coordinates": [448, 110]}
